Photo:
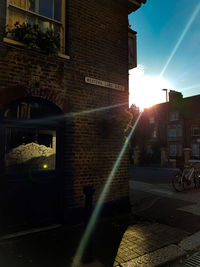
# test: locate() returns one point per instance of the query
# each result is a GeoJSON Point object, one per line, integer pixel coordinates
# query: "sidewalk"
{"type": "Point", "coordinates": [116, 242]}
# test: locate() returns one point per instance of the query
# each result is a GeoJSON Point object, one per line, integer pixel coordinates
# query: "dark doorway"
{"type": "Point", "coordinates": [31, 165]}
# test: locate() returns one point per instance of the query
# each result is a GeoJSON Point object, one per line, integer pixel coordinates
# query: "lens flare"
{"type": "Point", "coordinates": [194, 86]}
{"type": "Point", "coordinates": [72, 114]}
{"type": "Point", "coordinates": [187, 27]}
{"type": "Point", "coordinates": [94, 216]}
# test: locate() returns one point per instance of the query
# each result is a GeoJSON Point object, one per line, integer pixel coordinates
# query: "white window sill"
{"type": "Point", "coordinates": [63, 56]}
{"type": "Point", "coordinates": [13, 42]}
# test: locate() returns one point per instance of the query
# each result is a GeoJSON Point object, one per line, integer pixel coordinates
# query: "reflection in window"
{"type": "Point", "coordinates": [30, 149]}
{"type": "Point", "coordinates": [46, 8]}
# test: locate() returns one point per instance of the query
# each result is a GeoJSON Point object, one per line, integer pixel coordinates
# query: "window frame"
{"type": "Point", "coordinates": [195, 128]}
{"type": "Point", "coordinates": [178, 130]}
{"type": "Point", "coordinates": [36, 15]}
{"type": "Point", "coordinates": [178, 150]}
{"type": "Point", "coordinates": [151, 120]}
{"type": "Point", "coordinates": [53, 125]}
{"type": "Point", "coordinates": [198, 154]}
{"type": "Point", "coordinates": [174, 116]}
{"type": "Point", "coordinates": [35, 127]}
{"type": "Point", "coordinates": [173, 155]}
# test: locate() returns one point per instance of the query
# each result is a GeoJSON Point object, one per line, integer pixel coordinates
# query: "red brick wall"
{"type": "Point", "coordinates": [97, 45]}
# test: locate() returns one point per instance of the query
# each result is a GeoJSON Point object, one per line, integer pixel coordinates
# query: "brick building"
{"type": "Point", "coordinates": [150, 134]}
{"type": "Point", "coordinates": [183, 128]}
{"type": "Point", "coordinates": [51, 149]}
{"type": "Point", "coordinates": [173, 128]}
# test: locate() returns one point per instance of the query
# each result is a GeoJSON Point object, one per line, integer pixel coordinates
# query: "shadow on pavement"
{"type": "Point", "coordinates": [56, 248]}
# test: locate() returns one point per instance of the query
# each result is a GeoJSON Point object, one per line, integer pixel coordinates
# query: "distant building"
{"type": "Point", "coordinates": [52, 153]}
{"type": "Point", "coordinates": [173, 126]}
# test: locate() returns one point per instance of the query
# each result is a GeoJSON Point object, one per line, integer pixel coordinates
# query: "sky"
{"type": "Point", "coordinates": [168, 49]}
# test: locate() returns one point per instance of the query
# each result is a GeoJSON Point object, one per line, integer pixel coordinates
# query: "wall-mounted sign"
{"type": "Point", "coordinates": [104, 84]}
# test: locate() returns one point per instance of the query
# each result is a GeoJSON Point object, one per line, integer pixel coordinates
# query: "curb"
{"type": "Point", "coordinates": [166, 254]}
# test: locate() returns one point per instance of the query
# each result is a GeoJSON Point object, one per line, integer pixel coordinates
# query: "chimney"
{"type": "Point", "coordinates": [175, 96]}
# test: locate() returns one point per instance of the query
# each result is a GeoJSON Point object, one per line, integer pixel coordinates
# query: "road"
{"type": "Point", "coordinates": [153, 198]}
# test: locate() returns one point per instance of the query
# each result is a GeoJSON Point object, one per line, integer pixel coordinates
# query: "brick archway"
{"type": "Point", "coordinates": [11, 94]}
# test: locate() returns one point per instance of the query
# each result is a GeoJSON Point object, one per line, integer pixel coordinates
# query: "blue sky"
{"type": "Point", "coordinates": [159, 25]}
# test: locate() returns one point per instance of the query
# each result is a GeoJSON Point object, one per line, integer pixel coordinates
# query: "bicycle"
{"type": "Point", "coordinates": [186, 177]}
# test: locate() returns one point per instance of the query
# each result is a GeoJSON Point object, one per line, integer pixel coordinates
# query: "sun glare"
{"type": "Point", "coordinates": [146, 91]}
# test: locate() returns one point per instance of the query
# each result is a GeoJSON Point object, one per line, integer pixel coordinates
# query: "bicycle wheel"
{"type": "Point", "coordinates": [177, 182]}
{"type": "Point", "coordinates": [197, 179]}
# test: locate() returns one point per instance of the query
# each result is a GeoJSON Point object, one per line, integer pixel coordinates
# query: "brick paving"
{"type": "Point", "coordinates": [113, 245]}
{"type": "Point", "coordinates": [143, 238]}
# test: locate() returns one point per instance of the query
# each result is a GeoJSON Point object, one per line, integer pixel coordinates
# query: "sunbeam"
{"type": "Point", "coordinates": [70, 114]}
{"type": "Point", "coordinates": [194, 86]}
{"type": "Point", "coordinates": [196, 11]}
{"type": "Point", "coordinates": [94, 216]}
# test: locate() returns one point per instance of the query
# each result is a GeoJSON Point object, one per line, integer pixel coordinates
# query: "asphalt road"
{"type": "Point", "coordinates": [153, 198]}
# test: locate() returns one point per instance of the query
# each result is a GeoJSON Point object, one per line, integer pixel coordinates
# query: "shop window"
{"type": "Point", "coordinates": [30, 149]}
{"type": "Point", "coordinates": [30, 135]}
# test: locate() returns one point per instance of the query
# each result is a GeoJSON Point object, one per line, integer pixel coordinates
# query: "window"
{"type": "Point", "coordinates": [175, 131]}
{"type": "Point", "coordinates": [132, 50]}
{"type": "Point", "coordinates": [195, 150]}
{"type": "Point", "coordinates": [151, 120]}
{"type": "Point", "coordinates": [172, 150]}
{"type": "Point", "coordinates": [195, 131]}
{"type": "Point", "coordinates": [172, 132]}
{"type": "Point", "coordinates": [154, 134]}
{"type": "Point", "coordinates": [179, 130]}
{"type": "Point", "coordinates": [175, 150]}
{"type": "Point", "coordinates": [30, 149]}
{"type": "Point", "coordinates": [30, 128]}
{"type": "Point", "coordinates": [149, 149]}
{"type": "Point", "coordinates": [174, 116]}
{"type": "Point", "coordinates": [47, 14]}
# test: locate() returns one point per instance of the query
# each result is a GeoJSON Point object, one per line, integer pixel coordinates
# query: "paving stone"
{"type": "Point", "coordinates": [191, 242]}
{"type": "Point", "coordinates": [157, 257]}
{"type": "Point", "coordinates": [141, 239]}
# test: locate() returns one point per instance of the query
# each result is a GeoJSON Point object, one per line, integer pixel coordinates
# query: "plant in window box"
{"type": "Point", "coordinates": [33, 37]}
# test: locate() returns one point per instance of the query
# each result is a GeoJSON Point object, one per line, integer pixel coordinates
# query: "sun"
{"type": "Point", "coordinates": [146, 91]}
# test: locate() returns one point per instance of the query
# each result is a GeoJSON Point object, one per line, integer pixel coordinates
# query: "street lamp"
{"type": "Point", "coordinates": [166, 90]}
